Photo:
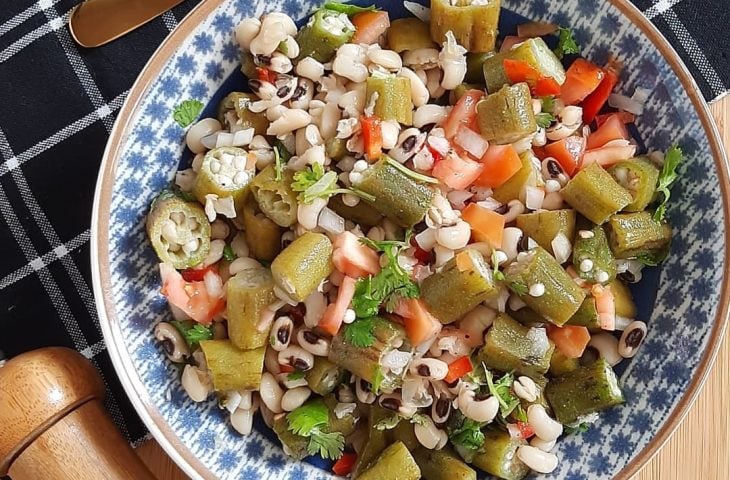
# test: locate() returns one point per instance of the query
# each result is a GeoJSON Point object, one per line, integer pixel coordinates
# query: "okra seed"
{"type": "Point", "coordinates": [349, 316]}
{"type": "Point", "coordinates": [602, 276]}
{"type": "Point", "coordinates": [586, 265]}
{"type": "Point", "coordinates": [537, 290]}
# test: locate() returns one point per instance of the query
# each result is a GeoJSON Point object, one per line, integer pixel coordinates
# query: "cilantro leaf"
{"type": "Point", "coordinates": [228, 253]}
{"type": "Point", "coordinates": [377, 381]}
{"type": "Point", "coordinates": [311, 421]}
{"type": "Point", "coordinates": [652, 259]}
{"type": "Point", "coordinates": [295, 375]}
{"type": "Point", "coordinates": [348, 9]}
{"type": "Point", "coordinates": [496, 274]}
{"type": "Point", "coordinates": [388, 423]}
{"type": "Point", "coordinates": [328, 445]}
{"type": "Point", "coordinates": [519, 288]}
{"type": "Point", "coordinates": [566, 43]}
{"type": "Point", "coordinates": [313, 182]}
{"type": "Point", "coordinates": [361, 333]}
{"type": "Point", "coordinates": [193, 333]}
{"type": "Point", "coordinates": [544, 119]}
{"type": "Point", "coordinates": [186, 113]}
{"type": "Point", "coordinates": [502, 390]}
{"type": "Point", "coordinates": [548, 104]}
{"type": "Point", "coordinates": [278, 164]}
{"type": "Point", "coordinates": [667, 177]}
{"type": "Point", "coordinates": [520, 414]}
{"type": "Point", "coordinates": [365, 303]}
{"type": "Point", "coordinates": [580, 428]}
{"type": "Point", "coordinates": [465, 432]}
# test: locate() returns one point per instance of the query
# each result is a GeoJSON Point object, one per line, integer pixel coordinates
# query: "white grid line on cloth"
{"type": "Point", "coordinates": [26, 14]}
{"type": "Point", "coordinates": [659, 7]}
{"type": "Point", "coordinates": [30, 37]}
{"type": "Point", "coordinates": [46, 259]}
{"type": "Point", "coordinates": [168, 18]}
{"type": "Point", "coordinates": [66, 132]}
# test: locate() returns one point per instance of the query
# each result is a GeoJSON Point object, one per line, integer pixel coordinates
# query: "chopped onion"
{"type": "Point", "coordinates": [562, 248]}
{"type": "Point", "coordinates": [415, 392]}
{"type": "Point", "coordinates": [641, 95]}
{"type": "Point", "coordinates": [471, 141]}
{"type": "Point", "coordinates": [418, 11]}
{"type": "Point", "coordinates": [330, 221]}
{"type": "Point", "coordinates": [396, 361]}
{"type": "Point", "coordinates": [481, 193]}
{"type": "Point", "coordinates": [215, 205]}
{"type": "Point", "coordinates": [514, 431]}
{"type": "Point", "coordinates": [531, 243]}
{"type": "Point", "coordinates": [440, 144]}
{"type": "Point", "coordinates": [343, 409]}
{"type": "Point", "coordinates": [232, 400]}
{"type": "Point", "coordinates": [423, 160]}
{"type": "Point", "coordinates": [534, 197]}
{"type": "Point", "coordinates": [490, 204]}
{"type": "Point", "coordinates": [536, 29]}
{"type": "Point", "coordinates": [213, 284]}
{"type": "Point", "coordinates": [626, 104]}
{"type": "Point", "coordinates": [458, 198]}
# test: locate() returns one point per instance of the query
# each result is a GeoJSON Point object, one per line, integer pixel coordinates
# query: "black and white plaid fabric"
{"type": "Point", "coordinates": [57, 106]}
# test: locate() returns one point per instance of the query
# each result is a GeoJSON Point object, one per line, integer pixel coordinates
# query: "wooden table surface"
{"type": "Point", "coordinates": [700, 448]}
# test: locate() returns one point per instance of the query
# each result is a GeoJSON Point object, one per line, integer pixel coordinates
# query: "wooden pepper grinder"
{"type": "Point", "coordinates": [53, 424]}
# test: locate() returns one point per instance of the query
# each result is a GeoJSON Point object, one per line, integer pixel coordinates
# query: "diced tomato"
{"type": "Point", "coordinates": [568, 152]}
{"type": "Point", "coordinates": [546, 86]}
{"type": "Point", "coordinates": [353, 258]}
{"type": "Point", "coordinates": [607, 156]}
{"type": "Point", "coordinates": [526, 430]}
{"type": "Point", "coordinates": [369, 26]}
{"type": "Point", "coordinates": [420, 254]}
{"type": "Point", "coordinates": [500, 162]}
{"type": "Point", "coordinates": [612, 129]}
{"type": "Point", "coordinates": [437, 157]}
{"type": "Point", "coordinates": [486, 225]}
{"type": "Point", "coordinates": [605, 306]}
{"type": "Point", "coordinates": [625, 117]}
{"type": "Point", "coordinates": [463, 113]}
{"type": "Point", "coordinates": [266, 75]}
{"type": "Point", "coordinates": [372, 136]}
{"type": "Point", "coordinates": [345, 464]}
{"type": "Point", "coordinates": [520, 71]}
{"type": "Point", "coordinates": [190, 297]}
{"type": "Point", "coordinates": [333, 316]}
{"type": "Point", "coordinates": [286, 368]}
{"type": "Point", "coordinates": [596, 100]}
{"type": "Point", "coordinates": [458, 368]}
{"type": "Point", "coordinates": [457, 172]}
{"type": "Point", "coordinates": [571, 340]}
{"type": "Point", "coordinates": [420, 325]}
{"type": "Point", "coordinates": [197, 274]}
{"type": "Point", "coordinates": [581, 79]}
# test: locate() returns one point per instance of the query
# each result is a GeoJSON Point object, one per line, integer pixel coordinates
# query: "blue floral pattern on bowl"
{"type": "Point", "coordinates": [686, 287]}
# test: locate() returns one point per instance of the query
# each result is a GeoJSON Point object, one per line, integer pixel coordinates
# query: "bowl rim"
{"type": "Point", "coordinates": [101, 273]}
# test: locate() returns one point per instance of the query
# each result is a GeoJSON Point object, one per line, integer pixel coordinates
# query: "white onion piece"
{"type": "Point", "coordinates": [471, 141]}
{"type": "Point", "coordinates": [562, 248]}
{"type": "Point", "coordinates": [458, 198]}
{"type": "Point", "coordinates": [534, 197]}
{"type": "Point", "coordinates": [418, 11]}
{"type": "Point", "coordinates": [343, 409]}
{"type": "Point", "coordinates": [396, 361]}
{"type": "Point", "coordinates": [490, 204]}
{"type": "Point", "coordinates": [641, 95]}
{"type": "Point", "coordinates": [213, 284]}
{"type": "Point", "coordinates": [626, 104]}
{"type": "Point", "coordinates": [619, 142]}
{"type": "Point", "coordinates": [330, 221]}
{"type": "Point", "coordinates": [439, 144]}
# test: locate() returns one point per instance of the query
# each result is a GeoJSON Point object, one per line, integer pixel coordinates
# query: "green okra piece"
{"type": "Point", "coordinates": [527, 316]}
{"type": "Point", "coordinates": [592, 256]}
{"type": "Point", "coordinates": [324, 376]}
{"type": "Point", "coordinates": [262, 235]}
{"type": "Point", "coordinates": [336, 148]}
{"type": "Point", "coordinates": [498, 456]}
{"type": "Point", "coordinates": [300, 268]}
{"type": "Point", "coordinates": [560, 364]}
{"type": "Point", "coordinates": [555, 296]}
{"type": "Point", "coordinates": [633, 235]}
{"type": "Point", "coordinates": [276, 198]}
{"type": "Point", "coordinates": [376, 439]}
{"type": "Point", "coordinates": [586, 315]}
{"type": "Point", "coordinates": [639, 177]}
{"type": "Point", "coordinates": [363, 213]}
{"type": "Point", "coordinates": [622, 299]}
{"type": "Point", "coordinates": [506, 116]}
{"type": "Point", "coordinates": [325, 32]}
{"type": "Point", "coordinates": [294, 445]}
{"type": "Point", "coordinates": [583, 391]}
{"type": "Point", "coordinates": [226, 172]}
{"type": "Point", "coordinates": [404, 432]}
{"type": "Point", "coordinates": [248, 65]}
{"type": "Point", "coordinates": [534, 52]}
{"type": "Point", "coordinates": [345, 425]}
{"type": "Point", "coordinates": [365, 361]}
{"type": "Point", "coordinates": [239, 102]}
{"type": "Point", "coordinates": [248, 293]}
{"type": "Point", "coordinates": [515, 188]}
{"type": "Point", "coordinates": [397, 195]}
{"type": "Point", "coordinates": [543, 226]}
{"type": "Point", "coordinates": [595, 194]}
{"type": "Point", "coordinates": [442, 465]}
{"type": "Point", "coordinates": [179, 231]}
{"type": "Point", "coordinates": [394, 463]}
{"type": "Point", "coordinates": [232, 368]}
{"type": "Point", "coordinates": [462, 88]}
{"type": "Point", "coordinates": [409, 34]}
{"type": "Point", "coordinates": [462, 284]}
{"type": "Point", "coordinates": [473, 24]}
{"type": "Point", "coordinates": [393, 97]}
{"type": "Point", "coordinates": [475, 66]}
{"type": "Point", "coordinates": [512, 347]}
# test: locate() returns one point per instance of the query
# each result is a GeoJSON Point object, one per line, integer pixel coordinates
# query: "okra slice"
{"type": "Point", "coordinates": [248, 65]}
{"type": "Point", "coordinates": [622, 299]}
{"type": "Point", "coordinates": [442, 465]}
{"type": "Point", "coordinates": [639, 177]}
{"type": "Point", "coordinates": [393, 97]}
{"type": "Point", "coordinates": [276, 198]}
{"type": "Point", "coordinates": [583, 391]}
{"type": "Point", "coordinates": [394, 463]}
{"type": "Point", "coordinates": [498, 456]}
{"type": "Point", "coordinates": [539, 280]}
{"type": "Point", "coordinates": [226, 172]}
{"type": "Point", "coordinates": [324, 376]}
{"type": "Point", "coordinates": [344, 425]}
{"type": "Point", "coordinates": [587, 315]}
{"type": "Point", "coordinates": [595, 194]}
{"type": "Point", "coordinates": [293, 445]}
{"type": "Point", "coordinates": [397, 195]}
{"type": "Point", "coordinates": [534, 52]}
{"type": "Point", "coordinates": [365, 362]}
{"type": "Point", "coordinates": [376, 439]}
{"type": "Point", "coordinates": [462, 88]}
{"type": "Point", "coordinates": [300, 268]}
{"type": "Point", "coordinates": [462, 284]}
{"type": "Point", "coordinates": [325, 32]}
{"type": "Point", "coordinates": [248, 293]}
{"type": "Point", "coordinates": [561, 364]}
{"type": "Point", "coordinates": [475, 67]}
{"type": "Point", "coordinates": [263, 236]}
{"type": "Point", "coordinates": [592, 256]}
{"type": "Point", "coordinates": [179, 231]}
{"type": "Point", "coordinates": [515, 188]}
{"type": "Point", "coordinates": [239, 102]}
{"type": "Point", "coordinates": [633, 235]}
{"type": "Point", "coordinates": [512, 347]}
{"type": "Point", "coordinates": [409, 34]}
{"type": "Point", "coordinates": [232, 368]}
{"type": "Point", "coordinates": [363, 213]}
{"type": "Point", "coordinates": [506, 116]}
{"type": "Point", "coordinates": [543, 226]}
{"type": "Point", "coordinates": [473, 23]}
{"type": "Point", "coordinates": [404, 432]}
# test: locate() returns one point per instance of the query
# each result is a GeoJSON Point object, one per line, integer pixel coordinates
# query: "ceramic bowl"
{"type": "Point", "coordinates": [684, 302]}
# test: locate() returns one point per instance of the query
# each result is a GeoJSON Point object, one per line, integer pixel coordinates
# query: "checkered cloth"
{"type": "Point", "coordinates": [57, 106]}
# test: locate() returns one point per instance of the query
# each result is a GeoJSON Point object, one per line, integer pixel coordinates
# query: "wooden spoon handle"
{"type": "Point", "coordinates": [53, 424]}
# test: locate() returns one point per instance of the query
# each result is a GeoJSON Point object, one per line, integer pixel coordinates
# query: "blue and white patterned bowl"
{"type": "Point", "coordinates": [684, 302]}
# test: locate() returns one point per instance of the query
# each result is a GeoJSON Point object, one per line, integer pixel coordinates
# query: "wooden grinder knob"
{"type": "Point", "coordinates": [53, 424]}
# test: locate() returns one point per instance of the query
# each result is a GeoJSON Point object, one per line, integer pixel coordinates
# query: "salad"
{"type": "Point", "coordinates": [409, 245]}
